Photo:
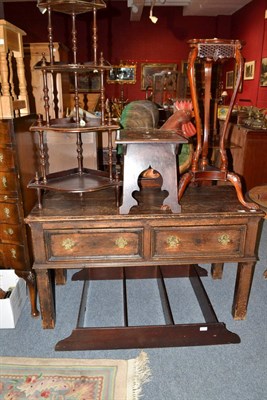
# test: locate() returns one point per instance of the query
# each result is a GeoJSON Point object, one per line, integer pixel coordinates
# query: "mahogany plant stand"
{"type": "Point", "coordinates": [211, 51]}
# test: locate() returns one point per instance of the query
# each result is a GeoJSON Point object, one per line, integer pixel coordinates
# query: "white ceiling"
{"type": "Point", "coordinates": [190, 7]}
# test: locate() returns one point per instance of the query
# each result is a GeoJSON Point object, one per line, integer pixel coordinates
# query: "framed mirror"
{"type": "Point", "coordinates": [122, 74]}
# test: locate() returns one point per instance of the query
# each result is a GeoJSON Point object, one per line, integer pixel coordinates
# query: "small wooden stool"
{"type": "Point", "coordinates": [258, 195]}
{"type": "Point", "coordinates": [150, 148]}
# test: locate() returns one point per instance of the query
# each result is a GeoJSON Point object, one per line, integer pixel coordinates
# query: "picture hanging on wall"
{"type": "Point", "coordinates": [263, 79]}
{"type": "Point", "coordinates": [184, 65]}
{"type": "Point", "coordinates": [229, 80]}
{"type": "Point", "coordinates": [249, 70]}
{"type": "Point", "coordinates": [148, 70]}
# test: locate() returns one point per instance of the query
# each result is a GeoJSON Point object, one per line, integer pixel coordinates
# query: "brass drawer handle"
{"type": "Point", "coordinates": [224, 239]}
{"type": "Point", "coordinates": [68, 244]}
{"type": "Point", "coordinates": [173, 241]}
{"type": "Point", "coordinates": [13, 253]}
{"type": "Point", "coordinates": [9, 231]}
{"type": "Point", "coordinates": [7, 212]}
{"type": "Point", "coordinates": [4, 181]}
{"type": "Point", "coordinates": [121, 242]}
{"type": "Point", "coordinates": [1, 158]}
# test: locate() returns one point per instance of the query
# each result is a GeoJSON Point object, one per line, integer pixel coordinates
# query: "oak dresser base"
{"type": "Point", "coordinates": [87, 233]}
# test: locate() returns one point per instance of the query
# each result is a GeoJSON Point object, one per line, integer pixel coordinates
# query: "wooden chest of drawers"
{"type": "Point", "coordinates": [17, 164]}
{"type": "Point", "coordinates": [248, 153]}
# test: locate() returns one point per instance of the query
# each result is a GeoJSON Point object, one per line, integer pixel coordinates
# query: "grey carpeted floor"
{"type": "Point", "coordinates": [224, 372]}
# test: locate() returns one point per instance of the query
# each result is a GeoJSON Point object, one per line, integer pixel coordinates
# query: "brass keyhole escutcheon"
{"type": "Point", "coordinates": [4, 181]}
{"type": "Point", "coordinates": [224, 239]}
{"type": "Point", "coordinates": [9, 231]}
{"type": "Point", "coordinates": [121, 242]}
{"type": "Point", "coordinates": [173, 241]}
{"type": "Point", "coordinates": [13, 253]}
{"type": "Point", "coordinates": [1, 158]}
{"type": "Point", "coordinates": [7, 212]}
{"type": "Point", "coordinates": [68, 244]}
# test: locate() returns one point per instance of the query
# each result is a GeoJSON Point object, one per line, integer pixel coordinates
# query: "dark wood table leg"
{"type": "Point", "coordinates": [217, 270]}
{"type": "Point", "coordinates": [244, 277]}
{"type": "Point", "coordinates": [60, 276]}
{"type": "Point", "coordinates": [46, 298]}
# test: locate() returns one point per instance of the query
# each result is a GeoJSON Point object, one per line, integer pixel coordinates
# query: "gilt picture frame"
{"type": "Point", "coordinates": [122, 74]}
{"type": "Point", "coordinates": [148, 70]}
{"type": "Point", "coordinates": [249, 70]}
{"type": "Point", "coordinates": [229, 82]}
{"type": "Point", "coordinates": [263, 76]}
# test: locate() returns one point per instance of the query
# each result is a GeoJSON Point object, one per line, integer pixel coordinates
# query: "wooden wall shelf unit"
{"type": "Point", "coordinates": [88, 234]}
{"type": "Point", "coordinates": [78, 179]}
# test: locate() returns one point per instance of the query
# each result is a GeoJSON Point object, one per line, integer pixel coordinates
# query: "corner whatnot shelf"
{"type": "Point", "coordinates": [80, 179]}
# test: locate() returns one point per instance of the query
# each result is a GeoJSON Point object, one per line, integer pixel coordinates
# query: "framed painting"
{"type": "Point", "coordinates": [184, 65]}
{"type": "Point", "coordinates": [229, 84]}
{"type": "Point", "coordinates": [148, 70]}
{"type": "Point", "coordinates": [122, 74]}
{"type": "Point", "coordinates": [249, 70]}
{"type": "Point", "coordinates": [263, 77]}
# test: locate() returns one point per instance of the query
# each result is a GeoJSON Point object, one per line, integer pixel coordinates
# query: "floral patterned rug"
{"type": "Point", "coordinates": [72, 379]}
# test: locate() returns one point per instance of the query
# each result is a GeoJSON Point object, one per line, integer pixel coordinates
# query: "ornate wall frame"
{"type": "Point", "coordinates": [122, 74]}
{"type": "Point", "coordinates": [148, 70]}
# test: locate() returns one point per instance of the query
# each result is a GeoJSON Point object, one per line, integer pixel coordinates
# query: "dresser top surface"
{"type": "Point", "coordinates": [196, 201]}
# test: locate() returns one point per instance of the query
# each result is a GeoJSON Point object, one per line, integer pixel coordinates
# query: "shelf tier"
{"type": "Point", "coordinates": [59, 66]}
{"type": "Point", "coordinates": [75, 181]}
{"type": "Point", "coordinates": [72, 6]}
{"type": "Point", "coordinates": [65, 125]}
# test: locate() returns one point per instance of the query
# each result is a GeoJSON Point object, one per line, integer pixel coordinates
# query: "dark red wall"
{"type": "Point", "coordinates": [249, 25]}
{"type": "Point", "coordinates": [143, 41]}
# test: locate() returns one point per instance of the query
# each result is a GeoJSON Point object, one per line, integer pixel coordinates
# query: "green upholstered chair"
{"type": "Point", "coordinates": [145, 114]}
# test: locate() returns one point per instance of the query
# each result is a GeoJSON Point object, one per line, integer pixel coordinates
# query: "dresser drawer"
{"type": "Point", "coordinates": [11, 233]}
{"type": "Point", "coordinates": [6, 159]}
{"type": "Point", "coordinates": [9, 213]}
{"type": "Point", "coordinates": [13, 256]}
{"type": "Point", "coordinates": [1, 255]}
{"type": "Point", "coordinates": [8, 182]}
{"type": "Point", "coordinates": [94, 244]}
{"type": "Point", "coordinates": [203, 241]}
{"type": "Point", "coordinates": [5, 133]}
